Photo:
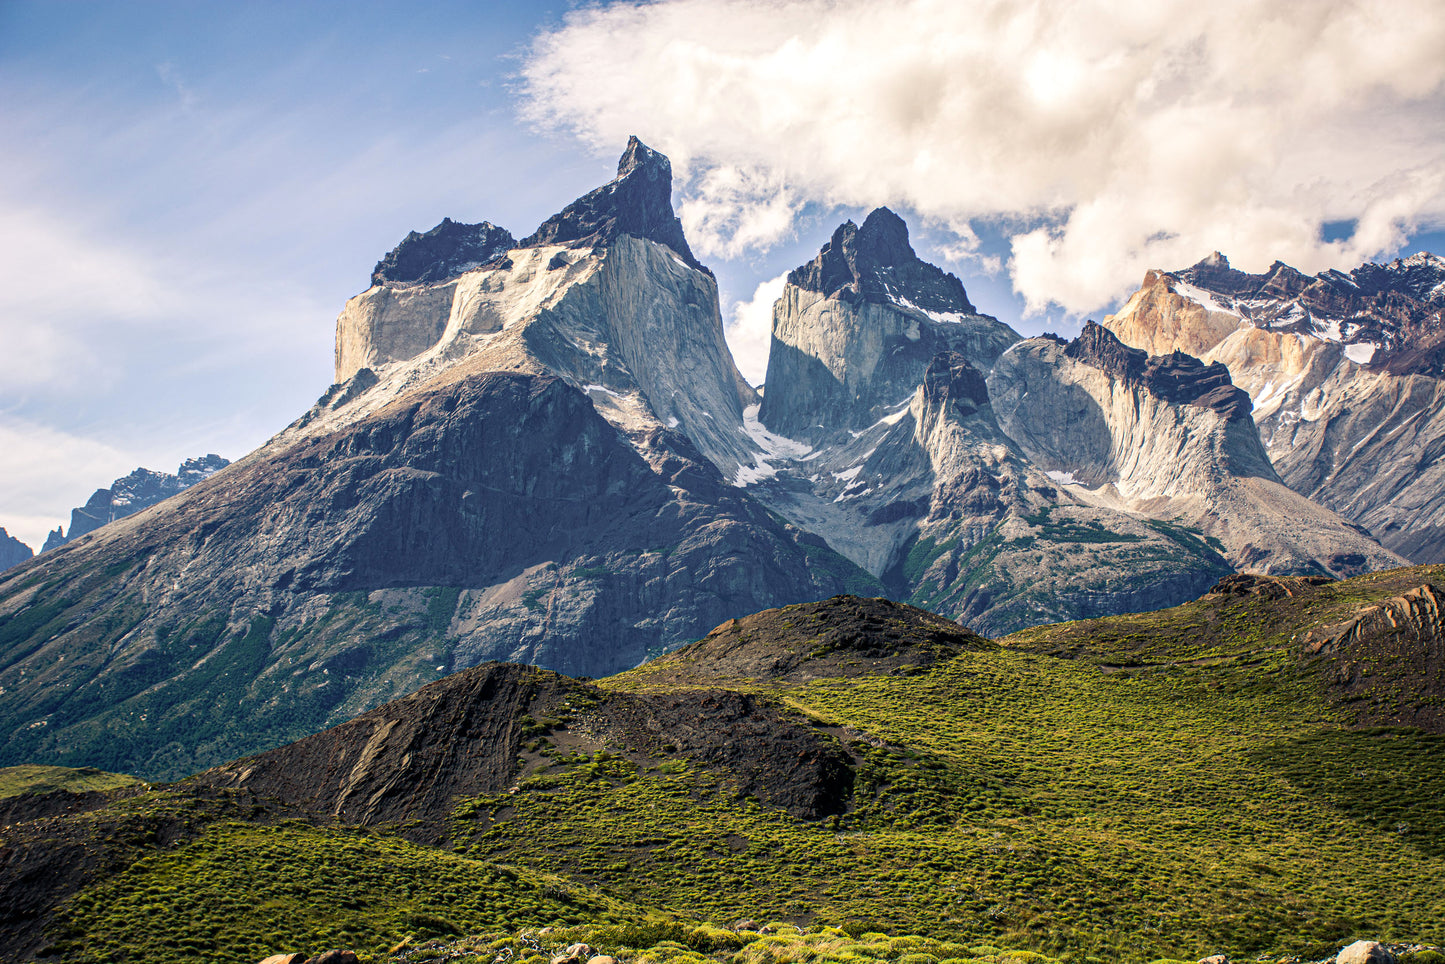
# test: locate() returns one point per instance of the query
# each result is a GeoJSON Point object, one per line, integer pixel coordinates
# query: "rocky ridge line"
{"type": "Point", "coordinates": [1344, 371]}
{"type": "Point", "coordinates": [638, 201]}
{"type": "Point", "coordinates": [129, 494]}
{"type": "Point", "coordinates": [446, 251]}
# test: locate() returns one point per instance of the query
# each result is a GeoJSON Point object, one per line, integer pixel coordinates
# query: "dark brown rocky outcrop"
{"type": "Point", "coordinates": [1176, 378]}
{"type": "Point", "coordinates": [409, 759]}
{"type": "Point", "coordinates": [446, 251]}
{"type": "Point", "coordinates": [1386, 663]}
{"type": "Point", "coordinates": [412, 760]}
{"type": "Point", "coordinates": [876, 263]}
{"type": "Point", "coordinates": [843, 636]}
{"type": "Point", "coordinates": [638, 201]}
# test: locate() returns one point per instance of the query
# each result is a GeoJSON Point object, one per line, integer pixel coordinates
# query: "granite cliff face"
{"type": "Point", "coordinates": [131, 493]}
{"type": "Point", "coordinates": [606, 295]}
{"type": "Point", "coordinates": [1168, 437]}
{"type": "Point", "coordinates": [879, 434]}
{"type": "Point", "coordinates": [1345, 372]}
{"type": "Point", "coordinates": [856, 328]}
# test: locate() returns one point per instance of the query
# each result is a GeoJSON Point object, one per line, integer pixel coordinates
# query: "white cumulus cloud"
{"type": "Point", "coordinates": [32, 460]}
{"type": "Point", "coordinates": [1117, 134]}
{"type": "Point", "coordinates": [749, 330]}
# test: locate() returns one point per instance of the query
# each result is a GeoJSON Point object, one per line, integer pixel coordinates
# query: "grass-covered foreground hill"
{"type": "Point", "coordinates": [1255, 773]}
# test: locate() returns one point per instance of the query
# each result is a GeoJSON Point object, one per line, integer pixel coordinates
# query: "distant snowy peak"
{"type": "Point", "coordinates": [1387, 316]}
{"type": "Point", "coordinates": [129, 494]}
{"type": "Point", "coordinates": [877, 263]}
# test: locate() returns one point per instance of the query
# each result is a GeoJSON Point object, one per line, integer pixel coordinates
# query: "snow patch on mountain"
{"type": "Point", "coordinates": [773, 448]}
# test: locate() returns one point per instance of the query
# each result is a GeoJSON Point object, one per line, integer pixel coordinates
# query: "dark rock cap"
{"type": "Point", "coordinates": [876, 263]}
{"type": "Point", "coordinates": [1176, 378]}
{"type": "Point", "coordinates": [951, 378]}
{"type": "Point", "coordinates": [638, 201]}
{"type": "Point", "coordinates": [447, 250]}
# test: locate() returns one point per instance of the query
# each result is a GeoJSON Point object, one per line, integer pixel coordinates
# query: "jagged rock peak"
{"type": "Point", "coordinates": [1176, 378]}
{"type": "Point", "coordinates": [950, 378]}
{"type": "Point", "coordinates": [12, 551]}
{"type": "Point", "coordinates": [638, 201]}
{"type": "Point", "coordinates": [877, 263]}
{"type": "Point", "coordinates": [1391, 316]}
{"type": "Point", "coordinates": [131, 493]}
{"type": "Point", "coordinates": [1421, 276]}
{"type": "Point", "coordinates": [200, 468]}
{"type": "Point", "coordinates": [446, 251]}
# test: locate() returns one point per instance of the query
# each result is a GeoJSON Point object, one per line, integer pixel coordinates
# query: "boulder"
{"type": "Point", "coordinates": [285, 959]}
{"type": "Point", "coordinates": [1215, 959]}
{"type": "Point", "coordinates": [335, 957]}
{"type": "Point", "coordinates": [1365, 952]}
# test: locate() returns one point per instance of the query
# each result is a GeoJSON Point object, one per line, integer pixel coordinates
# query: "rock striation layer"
{"type": "Point", "coordinates": [1345, 373]}
{"type": "Point", "coordinates": [1168, 437]}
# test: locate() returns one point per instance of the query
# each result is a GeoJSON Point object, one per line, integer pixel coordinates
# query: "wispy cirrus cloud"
{"type": "Point", "coordinates": [1120, 136]}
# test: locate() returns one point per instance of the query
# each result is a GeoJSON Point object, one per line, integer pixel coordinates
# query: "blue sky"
{"type": "Point", "coordinates": [191, 191]}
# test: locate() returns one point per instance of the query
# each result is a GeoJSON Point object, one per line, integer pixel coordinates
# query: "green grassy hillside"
{"type": "Point", "coordinates": [42, 779]}
{"type": "Point", "coordinates": [1158, 786]}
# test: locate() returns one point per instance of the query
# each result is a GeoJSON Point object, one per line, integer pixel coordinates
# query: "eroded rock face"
{"type": "Point", "coordinates": [1344, 370]}
{"type": "Point", "coordinates": [857, 327]}
{"type": "Point", "coordinates": [1388, 660]}
{"type": "Point", "coordinates": [1167, 437]}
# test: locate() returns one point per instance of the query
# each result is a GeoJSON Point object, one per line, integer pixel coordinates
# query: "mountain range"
{"type": "Point", "coordinates": [541, 451]}
{"type": "Point", "coordinates": [1344, 370]}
